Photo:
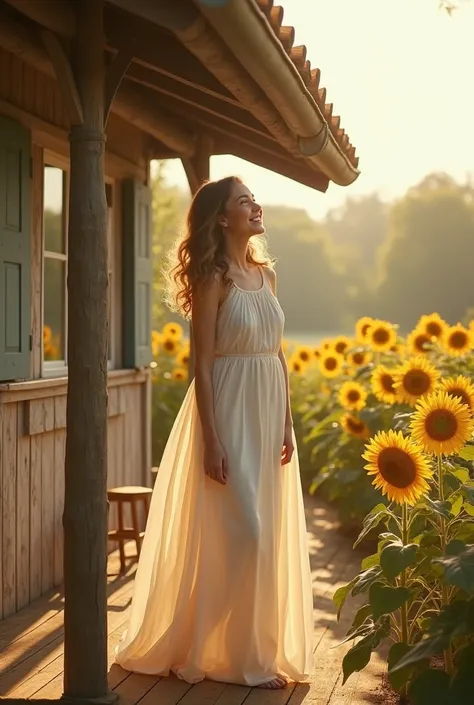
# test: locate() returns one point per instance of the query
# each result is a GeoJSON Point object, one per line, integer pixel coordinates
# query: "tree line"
{"type": "Point", "coordinates": [393, 260]}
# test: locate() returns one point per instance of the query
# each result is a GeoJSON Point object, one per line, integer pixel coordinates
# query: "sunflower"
{"type": "Point", "coordinates": [47, 335]}
{"type": "Point", "coordinates": [383, 385]}
{"type": "Point", "coordinates": [330, 364]}
{"type": "Point", "coordinates": [398, 466]}
{"type": "Point", "coordinates": [179, 374]}
{"type": "Point", "coordinates": [433, 325]}
{"type": "Point", "coordinates": [183, 357]}
{"type": "Point", "coordinates": [442, 423]}
{"type": "Point", "coordinates": [326, 344]}
{"type": "Point", "coordinates": [155, 342]}
{"type": "Point", "coordinates": [316, 353]}
{"type": "Point", "coordinates": [359, 357]}
{"type": "Point", "coordinates": [458, 340]}
{"type": "Point", "coordinates": [461, 387]}
{"type": "Point", "coordinates": [399, 349]}
{"type": "Point", "coordinates": [415, 378]}
{"type": "Point", "coordinates": [381, 336]}
{"type": "Point", "coordinates": [172, 330]}
{"type": "Point", "coordinates": [169, 345]}
{"type": "Point", "coordinates": [362, 328]}
{"type": "Point", "coordinates": [355, 427]}
{"type": "Point", "coordinates": [352, 395]}
{"type": "Point", "coordinates": [303, 353]}
{"type": "Point", "coordinates": [296, 365]}
{"type": "Point", "coordinates": [341, 344]}
{"type": "Point", "coordinates": [419, 342]}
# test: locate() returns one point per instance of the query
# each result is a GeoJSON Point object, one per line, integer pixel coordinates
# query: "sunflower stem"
{"type": "Point", "coordinates": [448, 653]}
{"type": "Point", "coordinates": [403, 577]}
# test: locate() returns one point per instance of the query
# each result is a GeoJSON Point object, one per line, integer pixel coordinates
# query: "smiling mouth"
{"type": "Point", "coordinates": [257, 219]}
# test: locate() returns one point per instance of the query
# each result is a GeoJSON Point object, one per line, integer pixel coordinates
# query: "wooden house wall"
{"type": "Point", "coordinates": [33, 413]}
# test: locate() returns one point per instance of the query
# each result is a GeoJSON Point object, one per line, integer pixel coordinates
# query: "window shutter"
{"type": "Point", "coordinates": [137, 274]}
{"type": "Point", "coordinates": [15, 313]}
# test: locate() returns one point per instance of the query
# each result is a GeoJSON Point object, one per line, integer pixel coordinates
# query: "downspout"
{"type": "Point", "coordinates": [245, 30]}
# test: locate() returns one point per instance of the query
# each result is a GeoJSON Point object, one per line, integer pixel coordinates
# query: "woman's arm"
{"type": "Point", "coordinates": [204, 317]}
{"type": "Point", "coordinates": [288, 447]}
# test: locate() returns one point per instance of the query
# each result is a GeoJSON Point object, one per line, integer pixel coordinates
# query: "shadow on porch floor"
{"type": "Point", "coordinates": [31, 642]}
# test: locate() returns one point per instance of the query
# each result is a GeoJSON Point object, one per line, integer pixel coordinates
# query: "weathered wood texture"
{"type": "Point", "coordinates": [39, 96]}
{"type": "Point", "coordinates": [32, 447]}
{"type": "Point", "coordinates": [31, 648]}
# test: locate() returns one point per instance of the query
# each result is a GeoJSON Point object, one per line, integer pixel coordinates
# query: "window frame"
{"type": "Point", "coordinates": [59, 368]}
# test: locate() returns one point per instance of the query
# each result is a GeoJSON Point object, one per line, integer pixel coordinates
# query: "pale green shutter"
{"type": "Point", "coordinates": [15, 312]}
{"type": "Point", "coordinates": [137, 274]}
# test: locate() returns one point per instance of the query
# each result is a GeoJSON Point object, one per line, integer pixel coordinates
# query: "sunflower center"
{"type": "Point", "coordinates": [456, 392]}
{"type": "Point", "coordinates": [169, 345]}
{"type": "Point", "coordinates": [340, 347]}
{"type": "Point", "coordinates": [420, 342]}
{"type": "Point", "coordinates": [458, 339]}
{"type": "Point", "coordinates": [365, 329]}
{"type": "Point", "coordinates": [397, 467]}
{"type": "Point", "coordinates": [416, 382]}
{"type": "Point", "coordinates": [304, 356]}
{"type": "Point", "coordinates": [433, 329]}
{"type": "Point", "coordinates": [381, 335]}
{"type": "Point", "coordinates": [330, 363]}
{"type": "Point", "coordinates": [358, 358]}
{"type": "Point", "coordinates": [386, 381]}
{"type": "Point", "coordinates": [355, 425]}
{"type": "Point", "coordinates": [353, 395]}
{"type": "Point", "coordinates": [441, 425]}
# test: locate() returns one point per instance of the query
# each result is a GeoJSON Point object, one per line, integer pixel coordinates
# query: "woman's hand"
{"type": "Point", "coordinates": [215, 462]}
{"type": "Point", "coordinates": [288, 445]}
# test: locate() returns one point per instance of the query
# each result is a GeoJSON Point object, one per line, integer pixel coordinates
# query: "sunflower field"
{"type": "Point", "coordinates": [170, 382]}
{"type": "Point", "coordinates": [387, 425]}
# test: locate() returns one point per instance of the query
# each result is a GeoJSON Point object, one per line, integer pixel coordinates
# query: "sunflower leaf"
{"type": "Point", "coordinates": [366, 579]}
{"type": "Point", "coordinates": [396, 557]}
{"type": "Point", "coordinates": [424, 649]}
{"type": "Point", "coordinates": [340, 596]}
{"type": "Point", "coordinates": [467, 491]}
{"type": "Point", "coordinates": [358, 657]}
{"type": "Point", "coordinates": [442, 509]}
{"type": "Point", "coordinates": [431, 687]}
{"type": "Point", "coordinates": [459, 569]}
{"type": "Point", "coordinates": [467, 453]}
{"type": "Point", "coordinates": [385, 599]}
{"type": "Point", "coordinates": [398, 678]}
{"type": "Point", "coordinates": [373, 519]}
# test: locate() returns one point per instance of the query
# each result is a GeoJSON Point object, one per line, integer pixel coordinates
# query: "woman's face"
{"type": "Point", "coordinates": [243, 216]}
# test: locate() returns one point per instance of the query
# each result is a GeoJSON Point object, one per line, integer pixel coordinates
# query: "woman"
{"type": "Point", "coordinates": [223, 586]}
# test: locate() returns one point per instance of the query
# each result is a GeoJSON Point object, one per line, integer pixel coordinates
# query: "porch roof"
{"type": "Point", "coordinates": [224, 73]}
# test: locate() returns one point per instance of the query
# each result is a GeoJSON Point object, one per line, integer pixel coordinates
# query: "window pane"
{"type": "Point", "coordinates": [54, 230]}
{"type": "Point", "coordinates": [54, 305]}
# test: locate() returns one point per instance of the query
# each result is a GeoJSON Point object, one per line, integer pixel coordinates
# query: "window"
{"type": "Point", "coordinates": [55, 265]}
{"type": "Point", "coordinates": [55, 227]}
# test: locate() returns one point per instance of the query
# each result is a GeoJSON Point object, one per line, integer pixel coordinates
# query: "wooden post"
{"type": "Point", "coordinates": [85, 510]}
{"type": "Point", "coordinates": [197, 168]}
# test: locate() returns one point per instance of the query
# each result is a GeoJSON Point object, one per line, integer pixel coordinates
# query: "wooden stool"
{"type": "Point", "coordinates": [133, 495]}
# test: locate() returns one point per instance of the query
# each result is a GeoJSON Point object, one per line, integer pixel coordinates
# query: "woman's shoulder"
{"type": "Point", "coordinates": [270, 274]}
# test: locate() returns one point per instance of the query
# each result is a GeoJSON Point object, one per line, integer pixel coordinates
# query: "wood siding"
{"type": "Point", "coordinates": [32, 448]}
{"type": "Point", "coordinates": [38, 97]}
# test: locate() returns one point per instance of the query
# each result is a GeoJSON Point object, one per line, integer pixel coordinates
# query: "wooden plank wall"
{"type": "Point", "coordinates": [32, 452]}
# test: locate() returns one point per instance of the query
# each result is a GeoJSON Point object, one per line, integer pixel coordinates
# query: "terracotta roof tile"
{"type": "Point", "coordinates": [311, 77]}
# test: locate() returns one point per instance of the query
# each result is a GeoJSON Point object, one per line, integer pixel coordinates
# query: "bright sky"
{"type": "Point", "coordinates": [399, 73]}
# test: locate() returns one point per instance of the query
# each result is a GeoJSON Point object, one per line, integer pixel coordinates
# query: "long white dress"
{"type": "Point", "coordinates": [223, 587]}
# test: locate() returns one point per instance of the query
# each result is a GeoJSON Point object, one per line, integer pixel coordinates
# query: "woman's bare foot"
{"type": "Point", "coordinates": [275, 684]}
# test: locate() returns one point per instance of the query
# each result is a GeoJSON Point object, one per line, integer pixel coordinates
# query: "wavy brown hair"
{"type": "Point", "coordinates": [200, 253]}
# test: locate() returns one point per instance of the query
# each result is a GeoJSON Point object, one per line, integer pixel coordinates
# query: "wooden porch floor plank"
{"type": "Point", "coordinates": [32, 656]}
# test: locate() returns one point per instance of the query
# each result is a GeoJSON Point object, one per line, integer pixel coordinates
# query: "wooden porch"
{"type": "Point", "coordinates": [31, 642]}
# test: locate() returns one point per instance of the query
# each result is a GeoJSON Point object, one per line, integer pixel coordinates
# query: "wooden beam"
{"type": "Point", "coordinates": [115, 74]}
{"type": "Point", "coordinates": [197, 166]}
{"type": "Point", "coordinates": [54, 15]}
{"type": "Point", "coordinates": [22, 41]}
{"type": "Point", "coordinates": [64, 76]}
{"type": "Point", "coordinates": [144, 112]}
{"type": "Point", "coordinates": [85, 509]}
